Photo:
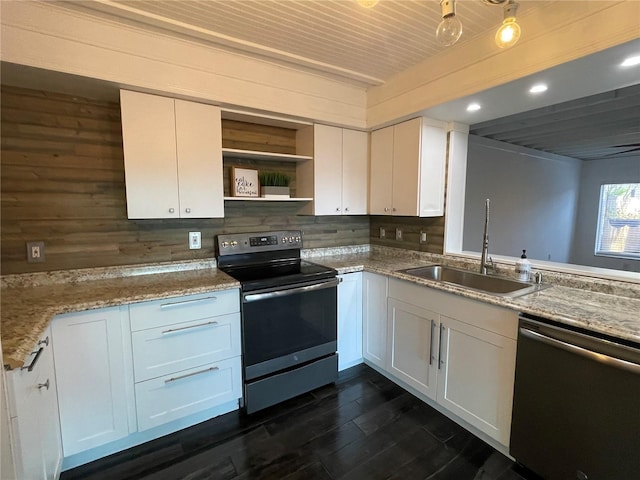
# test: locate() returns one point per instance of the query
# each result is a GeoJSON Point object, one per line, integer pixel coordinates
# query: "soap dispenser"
{"type": "Point", "coordinates": [523, 267]}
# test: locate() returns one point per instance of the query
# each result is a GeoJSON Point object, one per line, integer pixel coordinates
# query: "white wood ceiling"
{"type": "Point", "coordinates": [336, 37]}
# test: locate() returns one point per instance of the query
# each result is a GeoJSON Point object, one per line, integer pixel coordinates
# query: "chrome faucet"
{"type": "Point", "coordinates": [484, 264]}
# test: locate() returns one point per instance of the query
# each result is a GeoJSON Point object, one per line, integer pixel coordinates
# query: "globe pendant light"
{"type": "Point", "coordinates": [450, 28]}
{"type": "Point", "coordinates": [509, 32]}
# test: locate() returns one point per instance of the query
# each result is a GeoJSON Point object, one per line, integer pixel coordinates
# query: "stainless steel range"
{"type": "Point", "coordinates": [289, 316]}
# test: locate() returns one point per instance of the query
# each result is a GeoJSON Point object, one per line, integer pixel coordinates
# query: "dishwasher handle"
{"type": "Point", "coordinates": [583, 352]}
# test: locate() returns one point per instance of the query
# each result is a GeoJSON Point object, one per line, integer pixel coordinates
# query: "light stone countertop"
{"type": "Point", "coordinates": [29, 303]}
{"type": "Point", "coordinates": [26, 311]}
{"type": "Point", "coordinates": [614, 315]}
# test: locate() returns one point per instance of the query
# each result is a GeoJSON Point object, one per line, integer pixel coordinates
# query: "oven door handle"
{"type": "Point", "coordinates": [254, 297]}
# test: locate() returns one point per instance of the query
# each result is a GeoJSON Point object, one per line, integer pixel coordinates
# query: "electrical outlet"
{"type": "Point", "coordinates": [398, 234]}
{"type": "Point", "coordinates": [383, 233]}
{"type": "Point", "coordinates": [423, 237]}
{"type": "Point", "coordinates": [195, 240]}
{"type": "Point", "coordinates": [35, 252]}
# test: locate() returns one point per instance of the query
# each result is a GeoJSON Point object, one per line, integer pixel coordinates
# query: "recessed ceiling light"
{"type": "Point", "coordinates": [538, 88]}
{"type": "Point", "coordinates": [473, 107]}
{"type": "Point", "coordinates": [631, 61]}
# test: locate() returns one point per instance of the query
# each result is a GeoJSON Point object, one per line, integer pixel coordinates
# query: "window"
{"type": "Point", "coordinates": [618, 232]}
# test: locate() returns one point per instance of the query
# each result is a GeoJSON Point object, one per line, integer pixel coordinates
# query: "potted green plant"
{"type": "Point", "coordinates": [274, 185]}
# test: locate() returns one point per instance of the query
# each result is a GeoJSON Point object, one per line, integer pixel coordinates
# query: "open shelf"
{"type": "Point", "coordinates": [260, 199]}
{"type": "Point", "coordinates": [256, 155]}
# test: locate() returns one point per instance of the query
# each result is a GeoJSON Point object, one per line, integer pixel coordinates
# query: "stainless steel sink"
{"type": "Point", "coordinates": [494, 285]}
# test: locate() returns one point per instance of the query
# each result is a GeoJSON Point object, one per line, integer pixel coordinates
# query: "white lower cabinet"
{"type": "Point", "coordinates": [186, 355]}
{"type": "Point", "coordinates": [349, 320]}
{"type": "Point", "coordinates": [124, 370]}
{"type": "Point", "coordinates": [458, 352]}
{"type": "Point", "coordinates": [410, 345]}
{"type": "Point", "coordinates": [374, 318]}
{"type": "Point", "coordinates": [164, 399]}
{"type": "Point", "coordinates": [33, 415]}
{"type": "Point", "coordinates": [476, 378]}
{"type": "Point", "coordinates": [93, 374]}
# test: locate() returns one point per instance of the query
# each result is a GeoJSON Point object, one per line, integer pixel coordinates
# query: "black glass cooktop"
{"type": "Point", "coordinates": [276, 273]}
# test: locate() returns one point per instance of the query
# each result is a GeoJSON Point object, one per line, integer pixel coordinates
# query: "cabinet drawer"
{"type": "Point", "coordinates": [163, 350]}
{"type": "Point", "coordinates": [158, 313]}
{"type": "Point", "coordinates": [171, 397]}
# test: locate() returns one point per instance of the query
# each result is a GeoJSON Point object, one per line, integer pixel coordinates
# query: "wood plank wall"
{"type": "Point", "coordinates": [411, 227]}
{"type": "Point", "coordinates": [62, 182]}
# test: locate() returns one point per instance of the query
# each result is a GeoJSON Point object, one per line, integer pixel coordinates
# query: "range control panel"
{"type": "Point", "coordinates": [259, 242]}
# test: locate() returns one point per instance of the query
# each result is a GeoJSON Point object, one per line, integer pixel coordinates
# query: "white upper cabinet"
{"type": "Point", "coordinates": [408, 169]}
{"type": "Point", "coordinates": [172, 156]}
{"type": "Point", "coordinates": [337, 177]}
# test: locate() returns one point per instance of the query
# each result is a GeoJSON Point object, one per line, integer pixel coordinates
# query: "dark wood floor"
{"type": "Point", "coordinates": [363, 427]}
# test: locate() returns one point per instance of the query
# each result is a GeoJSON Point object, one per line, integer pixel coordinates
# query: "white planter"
{"type": "Point", "coordinates": [274, 192]}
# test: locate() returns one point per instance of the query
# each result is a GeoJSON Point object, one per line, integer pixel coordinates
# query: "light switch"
{"type": "Point", "coordinates": [195, 240]}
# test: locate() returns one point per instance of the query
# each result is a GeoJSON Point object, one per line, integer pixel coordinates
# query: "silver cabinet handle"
{"type": "Point", "coordinates": [583, 352]}
{"type": "Point", "coordinates": [44, 342]}
{"type": "Point", "coordinates": [171, 210]}
{"type": "Point", "coordinates": [174, 379]}
{"type": "Point", "coordinates": [173, 330]}
{"type": "Point", "coordinates": [44, 385]}
{"type": "Point", "coordinates": [386, 209]}
{"type": "Point", "coordinates": [254, 297]}
{"type": "Point", "coordinates": [440, 360]}
{"type": "Point", "coordinates": [32, 365]}
{"type": "Point", "coordinates": [187, 210]}
{"type": "Point", "coordinates": [431, 355]}
{"type": "Point", "coordinates": [184, 302]}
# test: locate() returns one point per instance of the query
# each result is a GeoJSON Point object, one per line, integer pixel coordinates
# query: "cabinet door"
{"type": "Point", "coordinates": [349, 320]}
{"type": "Point", "coordinates": [433, 154]}
{"type": "Point", "coordinates": [49, 419]}
{"type": "Point", "coordinates": [327, 160]}
{"type": "Point", "coordinates": [355, 147]}
{"type": "Point", "coordinates": [92, 380]}
{"type": "Point", "coordinates": [406, 167]}
{"type": "Point", "coordinates": [199, 152]}
{"type": "Point", "coordinates": [35, 424]}
{"type": "Point", "coordinates": [374, 318]}
{"type": "Point", "coordinates": [380, 177]}
{"type": "Point", "coordinates": [149, 141]}
{"type": "Point", "coordinates": [476, 379]}
{"type": "Point", "coordinates": [410, 346]}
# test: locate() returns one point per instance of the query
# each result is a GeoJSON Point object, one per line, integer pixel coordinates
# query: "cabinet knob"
{"type": "Point", "coordinates": [346, 209]}
{"type": "Point", "coordinates": [44, 385]}
{"type": "Point", "coordinates": [171, 210]}
{"type": "Point", "coordinates": [187, 210]}
{"type": "Point", "coordinates": [393, 209]}
{"type": "Point", "coordinates": [337, 209]}
{"type": "Point", "coordinates": [386, 209]}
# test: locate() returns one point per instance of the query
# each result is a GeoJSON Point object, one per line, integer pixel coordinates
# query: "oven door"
{"type": "Point", "coordinates": [288, 326]}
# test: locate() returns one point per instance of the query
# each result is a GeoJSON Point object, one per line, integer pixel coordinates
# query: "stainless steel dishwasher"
{"type": "Point", "coordinates": [576, 405]}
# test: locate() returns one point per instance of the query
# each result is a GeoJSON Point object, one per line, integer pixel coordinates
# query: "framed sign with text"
{"type": "Point", "coordinates": [244, 182]}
